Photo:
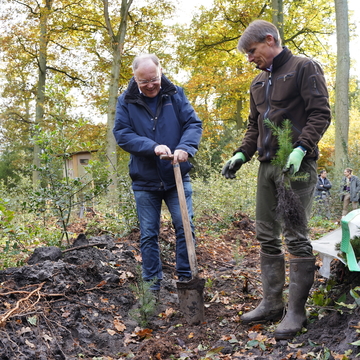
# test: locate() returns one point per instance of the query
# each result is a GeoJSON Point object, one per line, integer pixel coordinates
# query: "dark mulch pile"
{"type": "Point", "coordinates": [75, 304]}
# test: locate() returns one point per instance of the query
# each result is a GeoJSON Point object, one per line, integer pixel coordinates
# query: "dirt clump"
{"type": "Point", "coordinates": [75, 304]}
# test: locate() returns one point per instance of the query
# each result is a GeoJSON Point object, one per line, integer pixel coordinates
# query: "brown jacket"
{"type": "Point", "coordinates": [295, 89]}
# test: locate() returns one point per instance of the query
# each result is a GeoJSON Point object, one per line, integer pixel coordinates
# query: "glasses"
{"type": "Point", "coordinates": [143, 82]}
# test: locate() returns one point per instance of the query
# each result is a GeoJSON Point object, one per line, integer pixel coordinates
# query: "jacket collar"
{"type": "Point", "coordinates": [133, 94]}
{"type": "Point", "coordinates": [281, 59]}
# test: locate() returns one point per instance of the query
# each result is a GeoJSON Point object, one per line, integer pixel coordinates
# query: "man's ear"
{"type": "Point", "coordinates": [270, 40]}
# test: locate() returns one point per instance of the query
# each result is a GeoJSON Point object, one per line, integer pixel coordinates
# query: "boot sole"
{"type": "Point", "coordinates": [273, 318]}
{"type": "Point", "coordinates": [285, 336]}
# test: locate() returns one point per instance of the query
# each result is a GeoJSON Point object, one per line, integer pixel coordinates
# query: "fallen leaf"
{"type": "Point", "coordinates": [119, 325]}
{"type": "Point", "coordinates": [28, 343]}
{"type": "Point", "coordinates": [46, 337]}
{"type": "Point", "coordinates": [23, 330]}
{"type": "Point", "coordinates": [233, 339]}
{"type": "Point", "coordinates": [144, 333]}
{"type": "Point", "coordinates": [338, 356]}
{"type": "Point", "coordinates": [252, 335]}
{"type": "Point", "coordinates": [65, 314]}
{"type": "Point", "coordinates": [215, 297]}
{"type": "Point", "coordinates": [191, 335]}
{"type": "Point", "coordinates": [261, 337]}
{"type": "Point", "coordinates": [126, 275]}
{"type": "Point", "coordinates": [225, 337]}
{"type": "Point", "coordinates": [111, 332]}
{"type": "Point", "coordinates": [356, 326]}
{"type": "Point", "coordinates": [102, 283]}
{"type": "Point", "coordinates": [214, 351]}
{"type": "Point", "coordinates": [256, 327]}
{"type": "Point", "coordinates": [293, 346]}
{"type": "Point", "coordinates": [129, 338]}
{"type": "Point", "coordinates": [32, 320]}
{"type": "Point", "coordinates": [169, 312]}
{"type": "Point", "coordinates": [225, 300]}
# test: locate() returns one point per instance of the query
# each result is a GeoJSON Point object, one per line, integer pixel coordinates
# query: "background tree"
{"type": "Point", "coordinates": [117, 43]}
{"type": "Point", "coordinates": [218, 77]}
{"type": "Point", "coordinates": [342, 86]}
{"type": "Point", "coordinates": [80, 45]}
{"type": "Point", "coordinates": [35, 46]}
{"type": "Point", "coordinates": [278, 16]}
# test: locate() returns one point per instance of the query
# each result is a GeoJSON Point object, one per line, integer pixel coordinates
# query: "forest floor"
{"type": "Point", "coordinates": [75, 304]}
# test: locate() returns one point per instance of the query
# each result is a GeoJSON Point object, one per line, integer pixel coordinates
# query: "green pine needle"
{"type": "Point", "coordinates": [284, 137]}
{"type": "Point", "coordinates": [289, 207]}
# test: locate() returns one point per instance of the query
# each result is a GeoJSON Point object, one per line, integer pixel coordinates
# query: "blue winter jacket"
{"type": "Point", "coordinates": [138, 131]}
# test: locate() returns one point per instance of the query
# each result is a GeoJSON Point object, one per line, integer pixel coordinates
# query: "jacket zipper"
{"type": "Point", "coordinates": [267, 130]}
{"type": "Point", "coordinates": [158, 111]}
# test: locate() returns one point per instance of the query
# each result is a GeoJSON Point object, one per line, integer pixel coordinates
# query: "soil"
{"type": "Point", "coordinates": [75, 304]}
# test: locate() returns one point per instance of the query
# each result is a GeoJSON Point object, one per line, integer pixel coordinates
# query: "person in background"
{"type": "Point", "coordinates": [322, 193]}
{"type": "Point", "coordinates": [294, 88]}
{"type": "Point", "coordinates": [350, 188]}
{"type": "Point", "coordinates": [153, 118]}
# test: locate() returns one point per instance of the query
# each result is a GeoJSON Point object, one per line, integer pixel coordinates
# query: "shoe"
{"type": "Point", "coordinates": [184, 278]}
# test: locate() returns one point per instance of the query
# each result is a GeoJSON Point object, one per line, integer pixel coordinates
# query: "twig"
{"type": "Point", "coordinates": [10, 312]}
{"type": "Point", "coordinates": [83, 247]}
{"type": "Point", "coordinates": [12, 342]}
{"type": "Point", "coordinates": [47, 321]}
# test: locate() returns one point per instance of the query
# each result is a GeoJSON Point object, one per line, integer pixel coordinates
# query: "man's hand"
{"type": "Point", "coordinates": [294, 161]}
{"type": "Point", "coordinates": [162, 150]}
{"type": "Point", "coordinates": [180, 156]}
{"type": "Point", "coordinates": [233, 165]}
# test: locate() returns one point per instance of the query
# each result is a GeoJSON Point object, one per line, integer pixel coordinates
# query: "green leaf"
{"type": "Point", "coordinates": [356, 296]}
{"type": "Point", "coordinates": [349, 306]}
{"type": "Point", "coordinates": [214, 351]}
{"type": "Point", "coordinates": [32, 320]}
{"type": "Point", "coordinates": [252, 343]}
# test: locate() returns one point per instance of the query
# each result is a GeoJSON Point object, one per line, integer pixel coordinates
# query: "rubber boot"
{"type": "Point", "coordinates": [301, 279]}
{"type": "Point", "coordinates": [271, 306]}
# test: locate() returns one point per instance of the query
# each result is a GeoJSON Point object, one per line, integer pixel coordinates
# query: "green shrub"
{"type": "Point", "coordinates": [224, 197]}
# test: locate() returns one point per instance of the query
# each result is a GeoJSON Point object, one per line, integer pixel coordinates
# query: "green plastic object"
{"type": "Point", "coordinates": [345, 245]}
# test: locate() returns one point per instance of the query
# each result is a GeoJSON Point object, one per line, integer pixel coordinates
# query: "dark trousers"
{"type": "Point", "coordinates": [268, 226]}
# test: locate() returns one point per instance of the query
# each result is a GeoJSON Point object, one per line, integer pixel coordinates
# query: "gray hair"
{"type": "Point", "coordinates": [143, 57]}
{"type": "Point", "coordinates": [256, 32]}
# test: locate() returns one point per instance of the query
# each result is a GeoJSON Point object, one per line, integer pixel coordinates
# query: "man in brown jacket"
{"type": "Point", "coordinates": [288, 87]}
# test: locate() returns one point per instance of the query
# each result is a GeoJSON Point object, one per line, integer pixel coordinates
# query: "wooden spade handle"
{"type": "Point", "coordinates": [185, 216]}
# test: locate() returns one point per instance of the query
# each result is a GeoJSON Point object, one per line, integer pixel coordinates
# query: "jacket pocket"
{"type": "Point", "coordinates": [285, 87]}
{"type": "Point", "coordinates": [258, 92]}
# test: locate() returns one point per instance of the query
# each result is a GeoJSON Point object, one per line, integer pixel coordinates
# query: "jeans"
{"type": "Point", "coordinates": [148, 205]}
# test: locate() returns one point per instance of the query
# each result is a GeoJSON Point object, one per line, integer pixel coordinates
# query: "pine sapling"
{"type": "Point", "coordinates": [146, 298]}
{"type": "Point", "coordinates": [289, 207]}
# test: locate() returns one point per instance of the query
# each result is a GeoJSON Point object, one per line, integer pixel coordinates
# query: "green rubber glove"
{"type": "Point", "coordinates": [233, 165]}
{"type": "Point", "coordinates": [294, 161]}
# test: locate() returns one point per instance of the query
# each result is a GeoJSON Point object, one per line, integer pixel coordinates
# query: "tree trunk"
{"type": "Point", "coordinates": [342, 86]}
{"type": "Point", "coordinates": [118, 46]}
{"type": "Point", "coordinates": [278, 16]}
{"type": "Point", "coordinates": [239, 119]}
{"type": "Point", "coordinates": [40, 97]}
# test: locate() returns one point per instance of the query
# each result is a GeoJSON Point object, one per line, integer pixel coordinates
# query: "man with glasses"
{"type": "Point", "coordinates": [288, 87]}
{"type": "Point", "coordinates": [153, 118]}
